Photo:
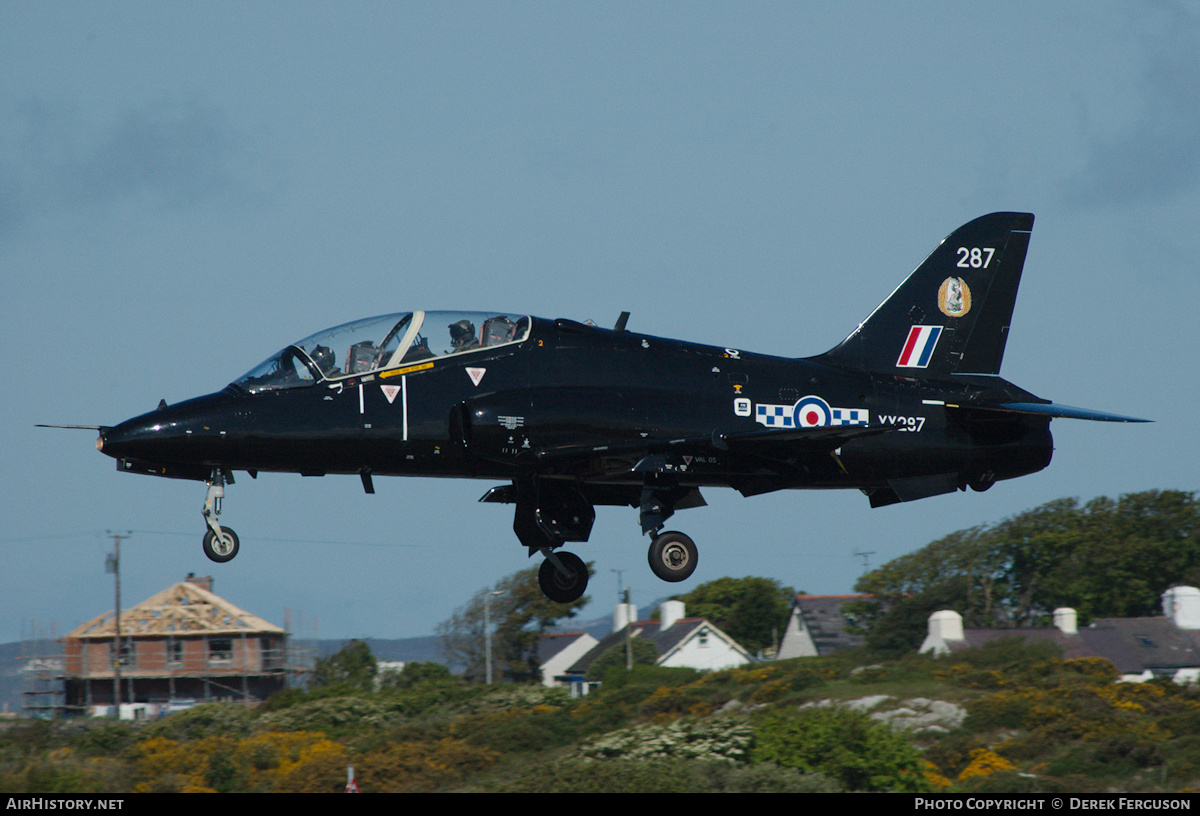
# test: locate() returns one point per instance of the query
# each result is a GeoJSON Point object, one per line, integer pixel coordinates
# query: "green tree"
{"type": "Point", "coordinates": [520, 615]}
{"type": "Point", "coordinates": [352, 667]}
{"type": "Point", "coordinates": [1110, 558]}
{"type": "Point", "coordinates": [753, 611]}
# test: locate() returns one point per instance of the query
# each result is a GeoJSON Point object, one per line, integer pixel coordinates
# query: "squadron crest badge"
{"type": "Point", "coordinates": [954, 297]}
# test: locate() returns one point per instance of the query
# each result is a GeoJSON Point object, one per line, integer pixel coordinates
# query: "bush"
{"type": "Point", "coordinates": [210, 719]}
{"type": "Point", "coordinates": [844, 745]}
{"type": "Point", "coordinates": [644, 653]}
{"type": "Point", "coordinates": [713, 738]}
{"type": "Point", "coordinates": [414, 673]}
{"type": "Point", "coordinates": [577, 775]}
{"type": "Point", "coordinates": [412, 767]}
{"type": "Point", "coordinates": [516, 730]}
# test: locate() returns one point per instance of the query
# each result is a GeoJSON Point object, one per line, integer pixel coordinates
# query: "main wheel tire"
{"type": "Point", "coordinates": [222, 549]}
{"type": "Point", "coordinates": [563, 588]}
{"type": "Point", "coordinates": [673, 557]}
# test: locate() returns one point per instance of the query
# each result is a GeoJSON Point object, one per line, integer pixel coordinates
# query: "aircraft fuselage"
{"type": "Point", "coordinates": [586, 394]}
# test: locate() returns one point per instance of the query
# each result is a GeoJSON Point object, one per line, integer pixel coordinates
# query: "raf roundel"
{"type": "Point", "coordinates": [812, 412]}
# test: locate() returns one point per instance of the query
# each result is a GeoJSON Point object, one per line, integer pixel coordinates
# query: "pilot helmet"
{"type": "Point", "coordinates": [323, 357]}
{"type": "Point", "coordinates": [461, 332]}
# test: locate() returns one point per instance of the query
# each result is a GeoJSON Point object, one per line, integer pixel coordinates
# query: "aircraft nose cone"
{"type": "Point", "coordinates": [181, 433]}
{"type": "Point", "coordinates": [128, 439]}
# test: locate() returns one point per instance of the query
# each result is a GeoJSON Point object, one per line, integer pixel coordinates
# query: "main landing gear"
{"type": "Point", "coordinates": [551, 512]}
{"type": "Point", "coordinates": [563, 576]}
{"type": "Point", "coordinates": [220, 543]}
{"type": "Point", "coordinates": [673, 556]}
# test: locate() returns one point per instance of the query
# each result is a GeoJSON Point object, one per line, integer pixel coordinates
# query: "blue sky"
{"type": "Point", "coordinates": [185, 188]}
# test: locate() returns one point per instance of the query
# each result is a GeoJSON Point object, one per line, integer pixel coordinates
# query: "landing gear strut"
{"type": "Point", "coordinates": [220, 543]}
{"type": "Point", "coordinates": [673, 556]}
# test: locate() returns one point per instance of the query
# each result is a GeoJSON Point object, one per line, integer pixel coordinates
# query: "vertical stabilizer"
{"type": "Point", "coordinates": [951, 315]}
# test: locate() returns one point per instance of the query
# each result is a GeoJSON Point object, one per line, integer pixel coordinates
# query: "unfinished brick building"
{"type": "Point", "coordinates": [183, 643]}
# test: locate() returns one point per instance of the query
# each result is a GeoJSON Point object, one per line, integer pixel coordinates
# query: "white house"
{"type": "Point", "coordinates": [558, 652]}
{"type": "Point", "coordinates": [682, 642]}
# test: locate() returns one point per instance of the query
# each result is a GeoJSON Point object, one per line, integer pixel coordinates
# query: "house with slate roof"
{"type": "Point", "coordinates": [557, 652]}
{"type": "Point", "coordinates": [1140, 648]}
{"type": "Point", "coordinates": [183, 643]}
{"type": "Point", "coordinates": [819, 625]}
{"type": "Point", "coordinates": [694, 643]}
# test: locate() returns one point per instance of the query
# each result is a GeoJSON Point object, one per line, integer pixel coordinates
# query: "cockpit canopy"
{"type": "Point", "coordinates": [383, 342]}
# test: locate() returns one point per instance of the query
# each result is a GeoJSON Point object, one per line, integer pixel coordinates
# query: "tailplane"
{"type": "Point", "coordinates": [951, 315]}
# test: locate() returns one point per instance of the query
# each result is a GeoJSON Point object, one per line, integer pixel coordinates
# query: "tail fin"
{"type": "Point", "coordinates": [951, 315]}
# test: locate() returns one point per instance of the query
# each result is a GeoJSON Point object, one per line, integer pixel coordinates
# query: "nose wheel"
{"type": "Point", "coordinates": [673, 556]}
{"type": "Point", "coordinates": [220, 543]}
{"type": "Point", "coordinates": [221, 547]}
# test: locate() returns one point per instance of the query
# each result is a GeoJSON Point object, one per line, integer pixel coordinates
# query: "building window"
{"type": "Point", "coordinates": [272, 653]}
{"type": "Point", "coordinates": [220, 650]}
{"type": "Point", "coordinates": [128, 653]}
{"type": "Point", "coordinates": [174, 652]}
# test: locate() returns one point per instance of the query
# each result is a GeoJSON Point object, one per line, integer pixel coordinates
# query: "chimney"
{"type": "Point", "coordinates": [1182, 605]}
{"type": "Point", "coordinates": [204, 582]}
{"type": "Point", "coordinates": [623, 615]}
{"type": "Point", "coordinates": [943, 626]}
{"type": "Point", "coordinates": [671, 612]}
{"type": "Point", "coordinates": [1065, 620]}
{"type": "Point", "coordinates": [946, 625]}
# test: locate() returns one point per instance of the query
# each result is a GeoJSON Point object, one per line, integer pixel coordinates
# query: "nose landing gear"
{"type": "Point", "coordinates": [220, 543]}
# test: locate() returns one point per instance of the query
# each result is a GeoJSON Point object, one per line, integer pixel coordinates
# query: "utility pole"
{"type": "Point", "coordinates": [628, 637]}
{"type": "Point", "coordinates": [620, 586]}
{"type": "Point", "coordinates": [113, 564]}
{"type": "Point", "coordinates": [487, 634]}
{"type": "Point", "coordinates": [623, 598]}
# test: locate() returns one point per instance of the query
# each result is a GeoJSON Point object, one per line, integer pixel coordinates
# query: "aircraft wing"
{"type": "Point", "coordinates": [825, 437]}
{"type": "Point", "coordinates": [821, 439]}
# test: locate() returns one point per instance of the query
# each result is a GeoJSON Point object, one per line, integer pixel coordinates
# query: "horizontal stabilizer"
{"type": "Point", "coordinates": [1054, 409]}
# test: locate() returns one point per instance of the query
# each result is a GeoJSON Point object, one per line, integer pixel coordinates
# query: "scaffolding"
{"type": "Point", "coordinates": [41, 670]}
{"type": "Point", "coordinates": [182, 647]}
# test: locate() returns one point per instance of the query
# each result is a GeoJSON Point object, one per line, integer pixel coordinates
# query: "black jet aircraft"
{"type": "Point", "coordinates": [568, 416]}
